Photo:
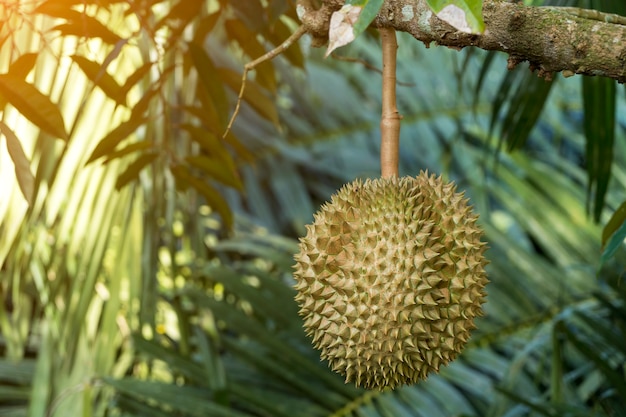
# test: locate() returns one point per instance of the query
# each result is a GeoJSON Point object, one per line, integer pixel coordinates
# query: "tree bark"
{"type": "Point", "coordinates": [550, 39]}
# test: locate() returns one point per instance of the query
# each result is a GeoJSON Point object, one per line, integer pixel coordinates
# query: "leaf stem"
{"type": "Point", "coordinates": [390, 117]}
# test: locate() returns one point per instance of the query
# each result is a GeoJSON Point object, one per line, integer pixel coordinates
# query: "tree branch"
{"type": "Point", "coordinates": [550, 39]}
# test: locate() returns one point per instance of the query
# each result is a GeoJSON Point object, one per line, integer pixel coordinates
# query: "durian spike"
{"type": "Point", "coordinates": [390, 117]}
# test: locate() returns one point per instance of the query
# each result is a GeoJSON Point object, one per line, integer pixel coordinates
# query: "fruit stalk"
{"type": "Point", "coordinates": [390, 118]}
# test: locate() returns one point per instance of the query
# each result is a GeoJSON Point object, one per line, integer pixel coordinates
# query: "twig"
{"type": "Point", "coordinates": [253, 64]}
{"type": "Point", "coordinates": [390, 118]}
{"type": "Point", "coordinates": [591, 14]}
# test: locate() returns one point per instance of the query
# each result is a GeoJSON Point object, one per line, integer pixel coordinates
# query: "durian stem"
{"type": "Point", "coordinates": [390, 118]}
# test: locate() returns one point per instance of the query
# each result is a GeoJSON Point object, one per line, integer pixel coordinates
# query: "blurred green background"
{"type": "Point", "coordinates": [145, 260]}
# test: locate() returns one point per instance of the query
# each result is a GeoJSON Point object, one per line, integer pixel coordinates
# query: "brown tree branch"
{"type": "Point", "coordinates": [390, 118]}
{"type": "Point", "coordinates": [550, 39]}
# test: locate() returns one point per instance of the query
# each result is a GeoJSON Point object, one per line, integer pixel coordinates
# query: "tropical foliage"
{"type": "Point", "coordinates": [145, 260]}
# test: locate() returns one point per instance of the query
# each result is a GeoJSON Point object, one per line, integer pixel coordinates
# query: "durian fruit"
{"type": "Point", "coordinates": [390, 277]}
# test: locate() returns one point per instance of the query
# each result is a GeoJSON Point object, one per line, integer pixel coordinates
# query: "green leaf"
{"type": "Point", "coordinates": [108, 143]}
{"type": "Point", "coordinates": [370, 9]}
{"type": "Point", "coordinates": [180, 15]}
{"type": "Point", "coordinates": [464, 15]}
{"type": "Point", "coordinates": [210, 81]}
{"type": "Point", "coordinates": [247, 40]}
{"type": "Point", "coordinates": [526, 105]}
{"type": "Point", "coordinates": [615, 222]}
{"type": "Point", "coordinates": [25, 177]}
{"type": "Point", "coordinates": [88, 27]}
{"type": "Point", "coordinates": [132, 171]}
{"type": "Point", "coordinates": [189, 401]}
{"type": "Point", "coordinates": [252, 95]}
{"type": "Point", "coordinates": [98, 75]}
{"type": "Point", "coordinates": [614, 234]}
{"type": "Point", "coordinates": [213, 198]}
{"type": "Point", "coordinates": [174, 359]}
{"type": "Point", "coordinates": [218, 169]}
{"type": "Point", "coordinates": [613, 375]}
{"type": "Point", "coordinates": [251, 13]}
{"type": "Point", "coordinates": [281, 32]}
{"type": "Point", "coordinates": [58, 8]}
{"type": "Point", "coordinates": [63, 8]}
{"type": "Point", "coordinates": [350, 21]}
{"type": "Point", "coordinates": [135, 77]}
{"type": "Point", "coordinates": [133, 147]}
{"type": "Point", "coordinates": [35, 106]}
{"type": "Point", "coordinates": [599, 96]}
{"type": "Point", "coordinates": [205, 25]}
{"type": "Point", "coordinates": [22, 66]}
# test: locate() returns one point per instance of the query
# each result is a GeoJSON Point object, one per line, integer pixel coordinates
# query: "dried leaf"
{"type": "Point", "coordinates": [341, 31]}
{"type": "Point", "coordinates": [350, 21]}
{"type": "Point", "coordinates": [464, 15]}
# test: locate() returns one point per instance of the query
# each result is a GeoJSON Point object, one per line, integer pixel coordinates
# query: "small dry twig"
{"type": "Point", "coordinates": [253, 64]}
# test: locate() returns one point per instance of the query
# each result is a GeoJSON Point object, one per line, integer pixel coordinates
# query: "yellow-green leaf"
{"type": "Point", "coordinates": [127, 150]}
{"type": "Point", "coordinates": [34, 105]}
{"type": "Point", "coordinates": [107, 144]}
{"type": "Point", "coordinates": [132, 171]}
{"type": "Point", "coordinates": [100, 77]}
{"type": "Point", "coordinates": [20, 68]}
{"type": "Point", "coordinates": [136, 76]}
{"type": "Point", "coordinates": [88, 27]}
{"type": "Point", "coordinates": [58, 8]}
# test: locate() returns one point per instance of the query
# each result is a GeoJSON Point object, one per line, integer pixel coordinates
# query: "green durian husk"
{"type": "Point", "coordinates": [390, 277]}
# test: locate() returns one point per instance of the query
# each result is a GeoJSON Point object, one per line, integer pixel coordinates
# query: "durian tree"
{"type": "Point", "coordinates": [122, 293]}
